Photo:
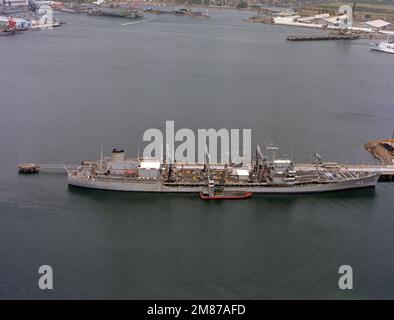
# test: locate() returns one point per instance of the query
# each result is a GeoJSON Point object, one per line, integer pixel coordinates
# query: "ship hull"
{"type": "Point", "coordinates": [157, 186]}
{"type": "Point", "coordinates": [383, 49]}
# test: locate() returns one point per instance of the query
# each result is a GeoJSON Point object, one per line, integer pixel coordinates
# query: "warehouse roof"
{"type": "Point", "coordinates": [377, 23]}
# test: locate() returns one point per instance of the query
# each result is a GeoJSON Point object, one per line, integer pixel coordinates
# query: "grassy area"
{"type": "Point", "coordinates": [364, 11]}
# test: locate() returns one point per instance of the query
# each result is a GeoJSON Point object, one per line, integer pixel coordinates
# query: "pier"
{"type": "Point", "coordinates": [319, 37]}
{"type": "Point", "coordinates": [32, 168]}
{"type": "Point", "coordinates": [28, 168]}
{"type": "Point", "coordinates": [386, 171]}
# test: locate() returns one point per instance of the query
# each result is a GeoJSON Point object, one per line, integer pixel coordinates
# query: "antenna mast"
{"type": "Point", "coordinates": [101, 158]}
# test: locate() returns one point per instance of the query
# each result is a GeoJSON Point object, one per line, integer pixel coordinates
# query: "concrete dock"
{"type": "Point", "coordinates": [383, 150]}
{"type": "Point", "coordinates": [319, 37]}
{"type": "Point", "coordinates": [386, 171]}
{"type": "Point", "coordinates": [28, 168]}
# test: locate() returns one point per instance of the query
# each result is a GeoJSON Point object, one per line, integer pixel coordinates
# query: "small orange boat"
{"type": "Point", "coordinates": [216, 192]}
{"type": "Point", "coordinates": [228, 195]}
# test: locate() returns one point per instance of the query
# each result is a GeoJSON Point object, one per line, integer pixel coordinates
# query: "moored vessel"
{"type": "Point", "coordinates": [217, 192]}
{"type": "Point", "coordinates": [384, 46]}
{"type": "Point", "coordinates": [226, 196]}
{"type": "Point", "coordinates": [261, 175]}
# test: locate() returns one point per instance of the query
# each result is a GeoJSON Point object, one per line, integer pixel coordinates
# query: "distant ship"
{"type": "Point", "coordinates": [262, 175]}
{"type": "Point", "coordinates": [189, 12]}
{"type": "Point", "coordinates": [384, 46]}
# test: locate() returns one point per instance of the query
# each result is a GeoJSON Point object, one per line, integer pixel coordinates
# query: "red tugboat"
{"type": "Point", "coordinates": [226, 196]}
{"type": "Point", "coordinates": [213, 192]}
{"type": "Point", "coordinates": [8, 28]}
{"type": "Point", "coordinates": [11, 25]}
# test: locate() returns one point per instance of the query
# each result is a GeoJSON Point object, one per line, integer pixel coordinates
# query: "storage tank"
{"type": "Point", "coordinates": [117, 155]}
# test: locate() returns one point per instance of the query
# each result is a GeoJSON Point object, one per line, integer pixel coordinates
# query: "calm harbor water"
{"type": "Point", "coordinates": [92, 82]}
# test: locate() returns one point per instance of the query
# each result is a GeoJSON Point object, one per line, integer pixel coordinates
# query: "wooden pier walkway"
{"type": "Point", "coordinates": [319, 37]}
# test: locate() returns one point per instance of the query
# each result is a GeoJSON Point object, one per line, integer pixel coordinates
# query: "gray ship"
{"type": "Point", "coordinates": [262, 175]}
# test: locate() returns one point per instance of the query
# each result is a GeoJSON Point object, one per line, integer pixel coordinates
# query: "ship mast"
{"type": "Point", "coordinates": [260, 163]}
{"type": "Point", "coordinates": [318, 161]}
{"type": "Point", "coordinates": [207, 159]}
{"type": "Point", "coordinates": [101, 158]}
{"type": "Point", "coordinates": [211, 183]}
